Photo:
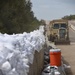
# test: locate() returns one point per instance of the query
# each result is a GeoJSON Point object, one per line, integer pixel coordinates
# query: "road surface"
{"type": "Point", "coordinates": [72, 35]}
{"type": "Point", "coordinates": [71, 31]}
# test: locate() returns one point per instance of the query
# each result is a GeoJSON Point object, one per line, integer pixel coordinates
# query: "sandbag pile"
{"type": "Point", "coordinates": [17, 51]}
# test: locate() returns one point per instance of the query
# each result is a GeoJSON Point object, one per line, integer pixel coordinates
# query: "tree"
{"type": "Point", "coordinates": [70, 17]}
{"type": "Point", "coordinates": [16, 16]}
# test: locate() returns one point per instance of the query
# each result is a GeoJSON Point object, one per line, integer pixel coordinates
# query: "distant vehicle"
{"type": "Point", "coordinates": [59, 31]}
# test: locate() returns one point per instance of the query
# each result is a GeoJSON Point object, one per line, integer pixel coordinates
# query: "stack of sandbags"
{"type": "Point", "coordinates": [17, 51]}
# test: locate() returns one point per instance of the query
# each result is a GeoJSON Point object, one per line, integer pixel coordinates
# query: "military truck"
{"type": "Point", "coordinates": [59, 31]}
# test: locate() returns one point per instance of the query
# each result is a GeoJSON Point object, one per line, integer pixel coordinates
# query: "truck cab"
{"type": "Point", "coordinates": [59, 30]}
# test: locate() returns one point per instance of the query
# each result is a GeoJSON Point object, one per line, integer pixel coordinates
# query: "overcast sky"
{"type": "Point", "coordinates": [52, 9]}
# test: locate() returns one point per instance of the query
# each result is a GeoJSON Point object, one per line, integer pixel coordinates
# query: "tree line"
{"type": "Point", "coordinates": [69, 17]}
{"type": "Point", "coordinates": [16, 16]}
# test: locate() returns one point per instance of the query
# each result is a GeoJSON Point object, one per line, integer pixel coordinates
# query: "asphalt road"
{"type": "Point", "coordinates": [71, 32]}
{"type": "Point", "coordinates": [68, 54]}
{"type": "Point", "coordinates": [72, 35]}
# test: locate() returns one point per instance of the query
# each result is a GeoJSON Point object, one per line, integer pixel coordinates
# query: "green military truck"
{"type": "Point", "coordinates": [59, 31]}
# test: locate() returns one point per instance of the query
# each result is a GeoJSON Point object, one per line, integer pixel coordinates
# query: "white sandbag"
{"type": "Point", "coordinates": [17, 51]}
{"type": "Point", "coordinates": [12, 72]}
{"type": "Point", "coordinates": [6, 67]}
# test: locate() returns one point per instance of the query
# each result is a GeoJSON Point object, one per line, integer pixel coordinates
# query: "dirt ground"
{"type": "Point", "coordinates": [68, 53]}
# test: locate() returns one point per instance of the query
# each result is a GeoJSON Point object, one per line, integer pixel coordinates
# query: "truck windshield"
{"type": "Point", "coordinates": [64, 25]}
{"type": "Point", "coordinates": [56, 26]}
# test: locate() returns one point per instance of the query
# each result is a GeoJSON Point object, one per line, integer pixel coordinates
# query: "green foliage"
{"type": "Point", "coordinates": [43, 22]}
{"type": "Point", "coordinates": [71, 17]}
{"type": "Point", "coordinates": [16, 16]}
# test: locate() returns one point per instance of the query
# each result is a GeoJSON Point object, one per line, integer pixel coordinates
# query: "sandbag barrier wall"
{"type": "Point", "coordinates": [38, 63]}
